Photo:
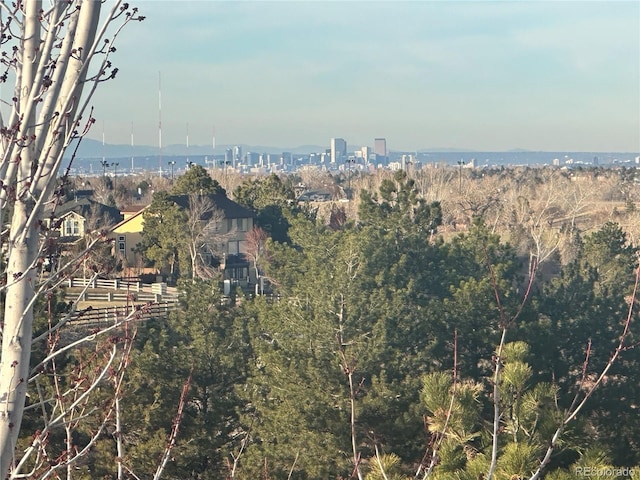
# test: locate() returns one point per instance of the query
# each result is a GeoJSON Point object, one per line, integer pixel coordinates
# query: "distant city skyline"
{"type": "Point", "coordinates": [492, 76]}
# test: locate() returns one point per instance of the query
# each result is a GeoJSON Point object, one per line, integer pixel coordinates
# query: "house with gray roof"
{"type": "Point", "coordinates": [237, 222]}
{"type": "Point", "coordinates": [80, 216]}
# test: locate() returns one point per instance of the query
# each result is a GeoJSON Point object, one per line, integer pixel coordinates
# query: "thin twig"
{"type": "Point", "coordinates": [174, 430]}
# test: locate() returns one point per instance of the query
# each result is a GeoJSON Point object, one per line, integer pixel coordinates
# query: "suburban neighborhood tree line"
{"type": "Point", "coordinates": [375, 353]}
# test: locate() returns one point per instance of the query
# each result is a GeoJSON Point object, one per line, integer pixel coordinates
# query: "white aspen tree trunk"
{"type": "Point", "coordinates": [16, 338]}
{"type": "Point", "coordinates": [51, 73]}
{"type": "Point", "coordinates": [23, 249]}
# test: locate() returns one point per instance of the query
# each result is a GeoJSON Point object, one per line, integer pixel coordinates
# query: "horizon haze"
{"type": "Point", "coordinates": [485, 76]}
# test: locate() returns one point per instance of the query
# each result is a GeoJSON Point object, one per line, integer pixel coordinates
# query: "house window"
{"type": "Point", "coordinates": [239, 273]}
{"type": "Point", "coordinates": [122, 244]}
{"type": "Point", "coordinates": [71, 227]}
{"type": "Point", "coordinates": [233, 247]}
{"type": "Point", "coordinates": [243, 224]}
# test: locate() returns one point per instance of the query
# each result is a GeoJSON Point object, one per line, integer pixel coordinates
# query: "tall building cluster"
{"type": "Point", "coordinates": [379, 153]}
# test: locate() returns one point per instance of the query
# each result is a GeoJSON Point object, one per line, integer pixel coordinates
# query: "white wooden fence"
{"type": "Point", "coordinates": [114, 284]}
{"type": "Point", "coordinates": [122, 290]}
{"type": "Point", "coordinates": [145, 297]}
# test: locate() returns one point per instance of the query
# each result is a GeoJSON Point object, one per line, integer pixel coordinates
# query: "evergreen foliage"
{"type": "Point", "coordinates": [196, 180]}
{"type": "Point", "coordinates": [375, 355]}
{"type": "Point", "coordinates": [273, 200]}
{"type": "Point", "coordinates": [164, 236]}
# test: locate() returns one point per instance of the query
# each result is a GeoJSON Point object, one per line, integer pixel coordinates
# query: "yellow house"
{"type": "Point", "coordinates": [127, 235]}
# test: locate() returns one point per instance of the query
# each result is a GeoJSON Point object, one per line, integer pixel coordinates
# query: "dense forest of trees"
{"type": "Point", "coordinates": [385, 350]}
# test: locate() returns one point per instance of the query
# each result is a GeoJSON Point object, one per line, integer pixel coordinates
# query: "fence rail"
{"type": "Point", "coordinates": [122, 290]}
{"type": "Point", "coordinates": [139, 297]}
{"type": "Point", "coordinates": [104, 317]}
{"type": "Point", "coordinates": [113, 284]}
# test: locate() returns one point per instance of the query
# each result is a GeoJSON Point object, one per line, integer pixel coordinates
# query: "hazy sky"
{"type": "Point", "coordinates": [561, 75]}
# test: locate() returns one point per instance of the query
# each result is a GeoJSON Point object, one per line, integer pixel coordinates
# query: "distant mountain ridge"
{"type": "Point", "coordinates": [94, 149]}
{"type": "Point", "coordinates": [90, 148]}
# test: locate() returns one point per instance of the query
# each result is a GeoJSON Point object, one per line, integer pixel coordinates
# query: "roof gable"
{"type": "Point", "coordinates": [71, 214]}
{"type": "Point", "coordinates": [129, 220]}
{"type": "Point", "coordinates": [86, 208]}
{"type": "Point", "coordinates": [229, 208]}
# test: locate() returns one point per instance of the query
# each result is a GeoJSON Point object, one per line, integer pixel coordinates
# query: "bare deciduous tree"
{"type": "Point", "coordinates": [256, 247]}
{"type": "Point", "coordinates": [57, 57]}
{"type": "Point", "coordinates": [205, 234]}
